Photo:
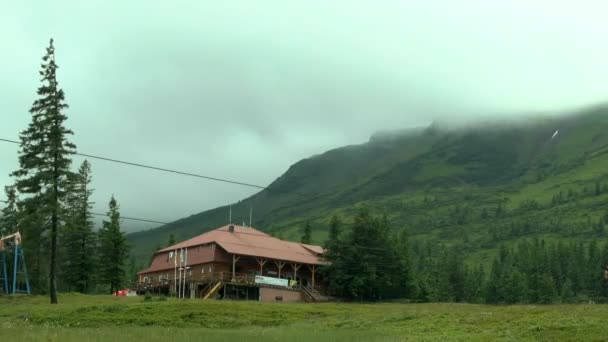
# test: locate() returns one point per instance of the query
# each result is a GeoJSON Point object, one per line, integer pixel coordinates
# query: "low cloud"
{"type": "Point", "coordinates": [242, 91]}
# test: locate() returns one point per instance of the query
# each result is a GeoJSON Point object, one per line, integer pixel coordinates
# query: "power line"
{"type": "Point", "coordinates": [152, 168]}
{"type": "Point", "coordinates": [183, 173]}
{"type": "Point", "coordinates": [122, 217]}
{"type": "Point", "coordinates": [156, 168]}
{"type": "Point", "coordinates": [131, 218]}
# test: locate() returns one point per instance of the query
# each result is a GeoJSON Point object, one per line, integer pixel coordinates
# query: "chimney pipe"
{"type": "Point", "coordinates": [231, 228]}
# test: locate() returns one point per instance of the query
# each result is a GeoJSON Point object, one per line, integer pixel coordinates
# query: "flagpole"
{"type": "Point", "coordinates": [185, 270]}
{"type": "Point", "coordinates": [179, 282]}
{"type": "Point", "coordinates": [175, 271]}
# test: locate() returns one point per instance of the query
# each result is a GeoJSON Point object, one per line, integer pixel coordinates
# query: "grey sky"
{"type": "Point", "coordinates": [243, 89]}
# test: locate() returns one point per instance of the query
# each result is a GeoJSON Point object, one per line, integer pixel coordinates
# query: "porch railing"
{"type": "Point", "coordinates": [226, 277]}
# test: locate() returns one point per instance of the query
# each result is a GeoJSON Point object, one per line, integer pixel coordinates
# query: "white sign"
{"type": "Point", "coordinates": [271, 281]}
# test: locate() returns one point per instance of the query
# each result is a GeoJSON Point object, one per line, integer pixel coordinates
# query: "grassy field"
{"type": "Point", "coordinates": [104, 318]}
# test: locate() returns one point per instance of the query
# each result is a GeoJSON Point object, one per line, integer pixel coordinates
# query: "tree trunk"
{"type": "Point", "coordinates": [54, 224]}
{"type": "Point", "coordinates": [83, 278]}
{"type": "Point", "coordinates": [52, 280]}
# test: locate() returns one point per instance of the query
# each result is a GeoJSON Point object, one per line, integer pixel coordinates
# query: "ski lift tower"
{"type": "Point", "coordinates": [19, 269]}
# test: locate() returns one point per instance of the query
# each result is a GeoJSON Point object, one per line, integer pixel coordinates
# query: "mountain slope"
{"type": "Point", "coordinates": [455, 185]}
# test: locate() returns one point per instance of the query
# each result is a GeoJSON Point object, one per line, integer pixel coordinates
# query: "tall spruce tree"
{"type": "Point", "coordinates": [79, 237]}
{"type": "Point", "coordinates": [114, 249]}
{"type": "Point", "coordinates": [332, 245]}
{"type": "Point", "coordinates": [333, 270]}
{"type": "Point", "coordinates": [405, 273]}
{"type": "Point", "coordinates": [307, 235]}
{"type": "Point", "coordinates": [44, 160]}
{"type": "Point", "coordinates": [8, 220]}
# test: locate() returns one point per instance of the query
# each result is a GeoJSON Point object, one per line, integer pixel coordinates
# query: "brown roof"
{"type": "Point", "coordinates": [315, 249]}
{"type": "Point", "coordinates": [252, 242]}
{"type": "Point", "coordinates": [204, 254]}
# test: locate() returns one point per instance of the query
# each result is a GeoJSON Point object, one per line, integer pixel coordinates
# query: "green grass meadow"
{"type": "Point", "coordinates": [105, 318]}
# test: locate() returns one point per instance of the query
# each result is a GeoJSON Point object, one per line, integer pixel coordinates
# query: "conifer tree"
{"type": "Point", "coordinates": [547, 291]}
{"type": "Point", "coordinates": [79, 237]}
{"type": "Point", "coordinates": [335, 230]}
{"type": "Point", "coordinates": [369, 265]}
{"type": "Point", "coordinates": [8, 220]}
{"type": "Point", "coordinates": [113, 249]}
{"type": "Point", "coordinates": [567, 293]}
{"type": "Point", "coordinates": [45, 164]}
{"type": "Point", "coordinates": [332, 271]}
{"type": "Point", "coordinates": [171, 241]}
{"type": "Point", "coordinates": [133, 268]}
{"type": "Point", "coordinates": [307, 235]}
{"type": "Point", "coordinates": [405, 273]}
{"type": "Point", "coordinates": [494, 284]}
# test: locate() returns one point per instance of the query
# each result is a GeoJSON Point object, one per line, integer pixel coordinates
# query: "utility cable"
{"type": "Point", "coordinates": [155, 168]}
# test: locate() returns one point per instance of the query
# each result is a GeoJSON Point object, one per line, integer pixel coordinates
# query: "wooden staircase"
{"type": "Point", "coordinates": [213, 289]}
{"type": "Point", "coordinates": [312, 295]}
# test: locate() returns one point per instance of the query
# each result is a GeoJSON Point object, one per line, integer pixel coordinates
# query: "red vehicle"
{"type": "Point", "coordinates": [120, 293]}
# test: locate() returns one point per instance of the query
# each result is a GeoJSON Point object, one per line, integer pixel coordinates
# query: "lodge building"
{"type": "Point", "coordinates": [238, 263]}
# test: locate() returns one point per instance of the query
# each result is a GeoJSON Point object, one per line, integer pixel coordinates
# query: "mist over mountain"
{"type": "Point", "coordinates": [476, 185]}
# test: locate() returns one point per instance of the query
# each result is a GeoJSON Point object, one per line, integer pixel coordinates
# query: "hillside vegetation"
{"type": "Point", "coordinates": [476, 187]}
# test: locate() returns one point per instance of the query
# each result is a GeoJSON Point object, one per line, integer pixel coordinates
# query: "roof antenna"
{"type": "Point", "coordinates": [230, 216]}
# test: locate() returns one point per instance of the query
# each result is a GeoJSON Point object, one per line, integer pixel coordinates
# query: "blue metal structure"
{"type": "Point", "coordinates": [20, 270]}
{"type": "Point", "coordinates": [20, 279]}
{"type": "Point", "coordinates": [4, 275]}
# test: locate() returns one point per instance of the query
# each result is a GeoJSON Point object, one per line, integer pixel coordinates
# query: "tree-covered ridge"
{"type": "Point", "coordinates": [440, 184]}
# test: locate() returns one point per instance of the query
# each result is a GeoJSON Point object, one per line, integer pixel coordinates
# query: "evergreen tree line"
{"type": "Point", "coordinates": [372, 262]}
{"type": "Point", "coordinates": [50, 204]}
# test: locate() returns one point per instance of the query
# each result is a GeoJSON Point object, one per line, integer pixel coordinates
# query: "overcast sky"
{"type": "Point", "coordinates": [243, 89]}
